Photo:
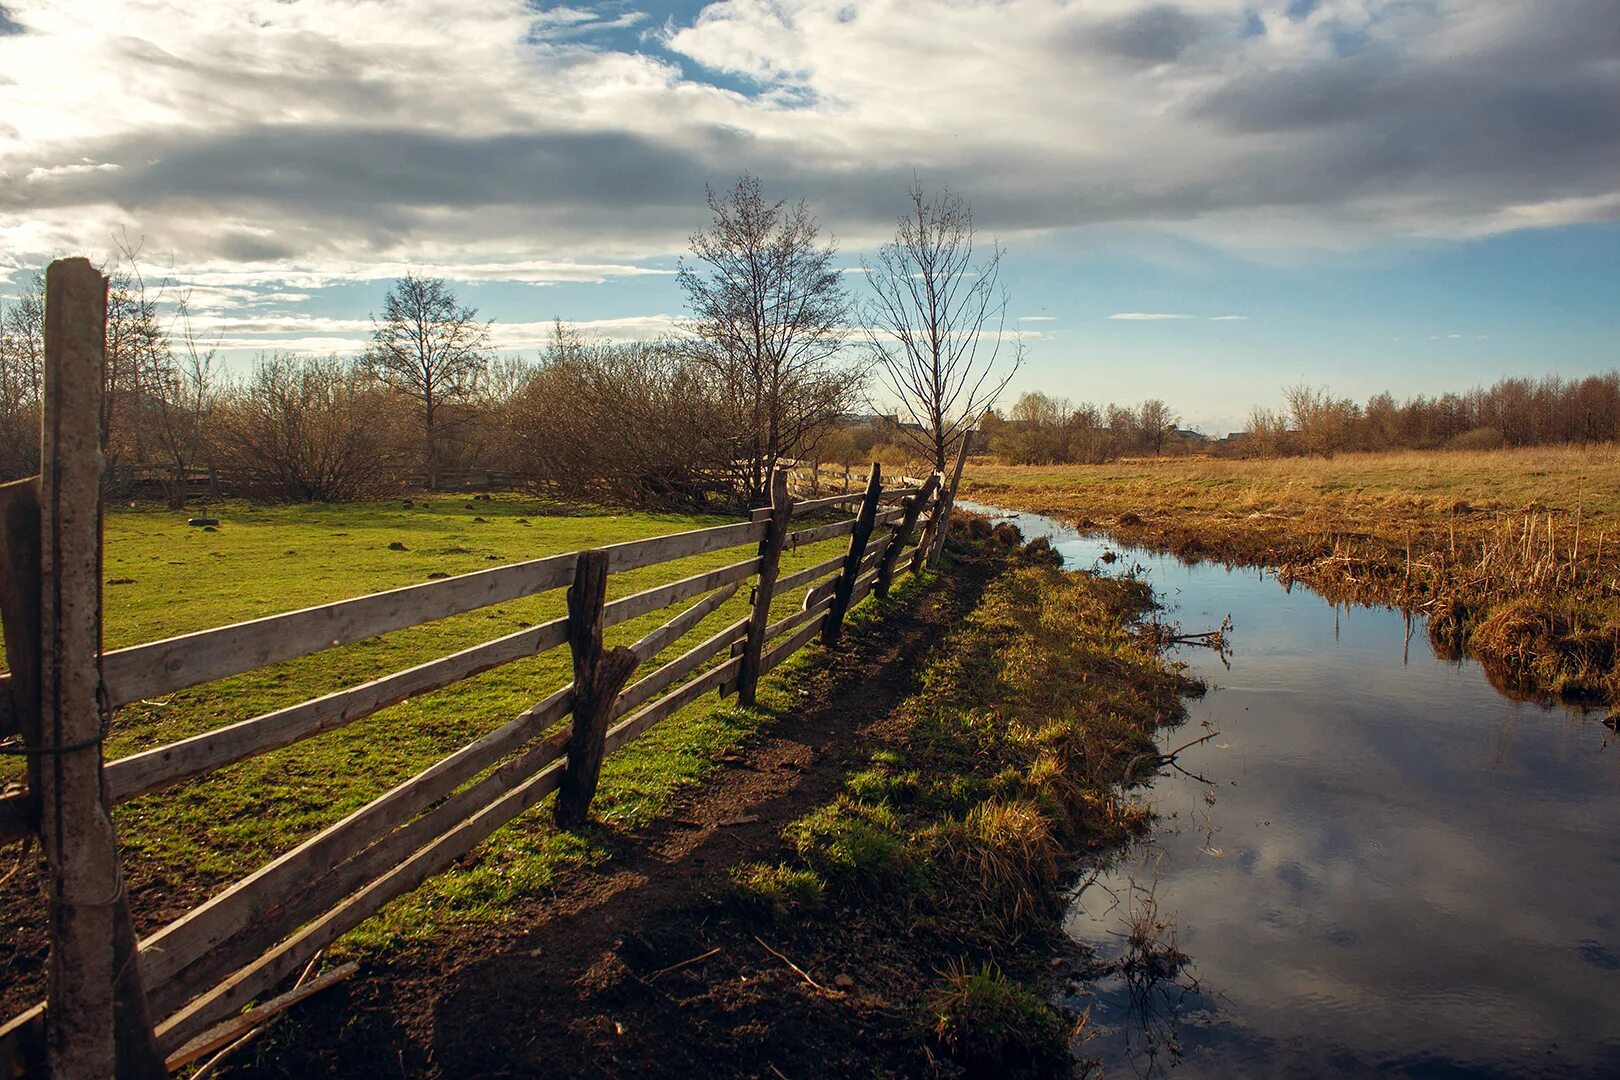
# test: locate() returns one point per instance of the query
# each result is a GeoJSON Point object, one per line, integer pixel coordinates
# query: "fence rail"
{"type": "Point", "coordinates": [189, 980]}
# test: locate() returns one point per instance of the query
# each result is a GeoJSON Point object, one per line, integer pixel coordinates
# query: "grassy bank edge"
{"type": "Point", "coordinates": [1508, 554]}
{"type": "Point", "coordinates": [984, 794]}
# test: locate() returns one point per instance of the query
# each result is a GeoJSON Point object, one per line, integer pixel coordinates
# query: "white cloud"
{"type": "Point", "coordinates": [1037, 318]}
{"type": "Point", "coordinates": [1229, 318]}
{"type": "Point", "coordinates": [1145, 316]}
{"type": "Point", "coordinates": [317, 138]}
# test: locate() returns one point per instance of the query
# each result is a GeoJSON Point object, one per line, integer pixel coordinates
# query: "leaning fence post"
{"type": "Point", "coordinates": [948, 499]}
{"type": "Point", "coordinates": [770, 558]}
{"type": "Point", "coordinates": [864, 523]}
{"type": "Point", "coordinates": [925, 543]}
{"type": "Point", "coordinates": [599, 675]}
{"type": "Point", "coordinates": [902, 534]}
{"type": "Point", "coordinates": [96, 1022]}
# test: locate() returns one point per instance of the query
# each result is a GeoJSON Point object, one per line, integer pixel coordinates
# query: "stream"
{"type": "Point", "coordinates": [1381, 865]}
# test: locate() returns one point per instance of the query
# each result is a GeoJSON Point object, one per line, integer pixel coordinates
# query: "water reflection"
{"type": "Point", "coordinates": [1396, 870]}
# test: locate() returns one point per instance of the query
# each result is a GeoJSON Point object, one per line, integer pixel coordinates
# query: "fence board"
{"type": "Point", "coordinates": [320, 893]}
{"type": "Point", "coordinates": [793, 644]}
{"type": "Point", "coordinates": [183, 941]}
{"type": "Point", "coordinates": [643, 690]}
{"type": "Point", "coordinates": [819, 533]}
{"type": "Point", "coordinates": [782, 626]}
{"type": "Point", "coordinates": [661, 596]}
{"type": "Point", "coordinates": [297, 950]}
{"type": "Point", "coordinates": [634, 554]}
{"type": "Point", "coordinates": [678, 627]}
{"type": "Point", "coordinates": [161, 766]}
{"type": "Point", "coordinates": [717, 677]}
{"type": "Point", "coordinates": [162, 667]}
{"type": "Point", "coordinates": [810, 573]}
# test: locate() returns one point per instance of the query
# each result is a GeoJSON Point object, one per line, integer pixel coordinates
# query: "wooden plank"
{"type": "Point", "coordinates": [644, 689]}
{"type": "Point", "coordinates": [798, 618]}
{"type": "Point", "coordinates": [903, 531]}
{"type": "Point", "coordinates": [821, 532]}
{"type": "Point", "coordinates": [175, 663]}
{"type": "Point", "coordinates": [810, 573]}
{"type": "Point", "coordinates": [162, 667]}
{"type": "Point", "coordinates": [19, 608]}
{"type": "Point", "coordinates": [715, 678]}
{"type": "Point", "coordinates": [599, 674]}
{"type": "Point", "coordinates": [678, 627]}
{"type": "Point", "coordinates": [22, 1044]}
{"type": "Point", "coordinates": [661, 596]}
{"type": "Point", "coordinates": [223, 1035]}
{"type": "Point", "coordinates": [290, 955]}
{"type": "Point", "coordinates": [810, 506]}
{"type": "Point", "coordinates": [634, 554]}
{"type": "Point", "coordinates": [181, 943]}
{"type": "Point", "coordinates": [322, 892]}
{"type": "Point", "coordinates": [865, 522]}
{"type": "Point", "coordinates": [20, 592]}
{"type": "Point", "coordinates": [770, 560]}
{"type": "Point", "coordinates": [926, 543]}
{"type": "Point", "coordinates": [161, 766]}
{"type": "Point", "coordinates": [794, 643]}
{"type": "Point", "coordinates": [948, 499]}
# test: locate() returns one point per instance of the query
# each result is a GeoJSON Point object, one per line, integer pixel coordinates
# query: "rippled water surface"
{"type": "Point", "coordinates": [1393, 869]}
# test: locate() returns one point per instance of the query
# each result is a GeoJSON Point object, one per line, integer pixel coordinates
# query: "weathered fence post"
{"type": "Point", "coordinates": [96, 1023]}
{"type": "Point", "coordinates": [770, 558]}
{"type": "Point", "coordinates": [925, 543]}
{"type": "Point", "coordinates": [948, 499]}
{"type": "Point", "coordinates": [902, 533]}
{"type": "Point", "coordinates": [599, 675]}
{"type": "Point", "coordinates": [864, 523]}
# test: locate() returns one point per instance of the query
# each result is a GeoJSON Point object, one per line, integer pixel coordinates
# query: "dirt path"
{"type": "Point", "coordinates": [634, 967]}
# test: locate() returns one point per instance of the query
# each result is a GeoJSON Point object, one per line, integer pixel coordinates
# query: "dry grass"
{"type": "Point", "coordinates": [1514, 555]}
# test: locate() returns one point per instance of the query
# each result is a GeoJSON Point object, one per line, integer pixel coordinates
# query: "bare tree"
{"type": "Point", "coordinates": [1156, 419]}
{"type": "Point", "coordinates": [22, 370]}
{"type": "Point", "coordinates": [180, 389]}
{"type": "Point", "coordinates": [935, 321]}
{"type": "Point", "coordinates": [768, 324]}
{"type": "Point", "coordinates": [431, 349]}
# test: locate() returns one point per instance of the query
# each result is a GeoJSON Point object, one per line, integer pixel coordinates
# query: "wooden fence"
{"type": "Point", "coordinates": [118, 1006]}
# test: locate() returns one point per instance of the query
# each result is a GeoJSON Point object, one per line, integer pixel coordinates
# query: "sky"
{"type": "Point", "coordinates": [1201, 201]}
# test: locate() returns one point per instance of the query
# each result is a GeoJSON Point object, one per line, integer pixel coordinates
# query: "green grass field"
{"type": "Point", "coordinates": [164, 578]}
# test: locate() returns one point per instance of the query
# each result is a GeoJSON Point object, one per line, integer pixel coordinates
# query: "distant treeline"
{"type": "Point", "coordinates": [1041, 429]}
{"type": "Point", "coordinates": [1547, 411]}
{"type": "Point", "coordinates": [761, 370]}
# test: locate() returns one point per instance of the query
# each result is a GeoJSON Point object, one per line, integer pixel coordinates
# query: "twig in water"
{"type": "Point", "coordinates": [797, 969]}
{"type": "Point", "coordinates": [684, 963]}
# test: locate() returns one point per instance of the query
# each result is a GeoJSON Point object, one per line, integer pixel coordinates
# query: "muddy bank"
{"type": "Point", "coordinates": [873, 885]}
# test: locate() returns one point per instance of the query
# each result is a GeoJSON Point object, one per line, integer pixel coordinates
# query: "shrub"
{"type": "Point", "coordinates": [310, 429]}
{"type": "Point", "coordinates": [992, 1026]}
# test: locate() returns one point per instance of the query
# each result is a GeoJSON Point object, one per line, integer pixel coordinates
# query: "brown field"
{"type": "Point", "coordinates": [1514, 555]}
